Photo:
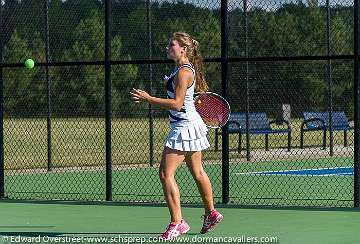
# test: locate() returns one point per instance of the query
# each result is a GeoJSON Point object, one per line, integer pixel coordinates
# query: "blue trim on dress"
{"type": "Point", "coordinates": [169, 85]}
{"type": "Point", "coordinates": [177, 119]}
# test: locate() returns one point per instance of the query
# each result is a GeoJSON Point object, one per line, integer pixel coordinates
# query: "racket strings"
{"type": "Point", "coordinates": [213, 110]}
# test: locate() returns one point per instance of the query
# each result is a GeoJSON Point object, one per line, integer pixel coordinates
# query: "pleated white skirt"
{"type": "Point", "coordinates": [188, 136]}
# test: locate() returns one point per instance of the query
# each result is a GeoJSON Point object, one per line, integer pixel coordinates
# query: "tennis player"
{"type": "Point", "coordinates": [187, 137]}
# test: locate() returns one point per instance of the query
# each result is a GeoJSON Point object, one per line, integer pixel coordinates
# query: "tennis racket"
{"type": "Point", "coordinates": [213, 109]}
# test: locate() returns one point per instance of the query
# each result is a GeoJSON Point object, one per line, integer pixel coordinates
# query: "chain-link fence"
{"type": "Point", "coordinates": [289, 79]}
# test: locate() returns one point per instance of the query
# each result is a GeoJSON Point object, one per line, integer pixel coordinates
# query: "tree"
{"type": "Point", "coordinates": [201, 24]}
{"type": "Point", "coordinates": [81, 89]}
{"type": "Point", "coordinates": [23, 89]}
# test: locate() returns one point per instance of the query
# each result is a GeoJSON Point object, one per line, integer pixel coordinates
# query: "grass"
{"type": "Point", "coordinates": [81, 142]}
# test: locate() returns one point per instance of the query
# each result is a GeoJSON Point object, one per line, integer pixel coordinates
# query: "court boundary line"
{"type": "Point", "coordinates": [283, 172]}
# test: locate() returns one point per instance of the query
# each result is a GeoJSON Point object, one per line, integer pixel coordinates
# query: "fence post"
{"type": "Point", "coordinates": [329, 78]}
{"type": "Point", "coordinates": [108, 99]}
{"type": "Point", "coordinates": [248, 149]}
{"type": "Point", "coordinates": [151, 112]}
{"type": "Point", "coordinates": [2, 165]}
{"type": "Point", "coordinates": [48, 86]}
{"type": "Point", "coordinates": [356, 105]}
{"type": "Point", "coordinates": [224, 90]}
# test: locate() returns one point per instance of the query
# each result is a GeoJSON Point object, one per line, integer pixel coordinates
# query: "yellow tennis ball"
{"type": "Point", "coordinates": [29, 63]}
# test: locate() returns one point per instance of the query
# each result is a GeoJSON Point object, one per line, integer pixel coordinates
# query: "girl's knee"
{"type": "Point", "coordinates": [162, 176]}
{"type": "Point", "coordinates": [199, 175]}
{"type": "Point", "coordinates": [165, 176]}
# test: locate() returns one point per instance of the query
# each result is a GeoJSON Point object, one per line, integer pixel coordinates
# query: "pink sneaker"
{"type": "Point", "coordinates": [211, 220]}
{"type": "Point", "coordinates": [175, 230]}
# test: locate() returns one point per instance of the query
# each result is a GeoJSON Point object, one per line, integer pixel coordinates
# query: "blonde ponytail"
{"type": "Point", "coordinates": [201, 84]}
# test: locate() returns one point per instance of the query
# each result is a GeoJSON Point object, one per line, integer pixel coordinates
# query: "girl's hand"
{"type": "Point", "coordinates": [139, 95]}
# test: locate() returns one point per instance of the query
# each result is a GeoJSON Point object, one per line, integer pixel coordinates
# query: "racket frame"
{"type": "Point", "coordinates": [198, 94]}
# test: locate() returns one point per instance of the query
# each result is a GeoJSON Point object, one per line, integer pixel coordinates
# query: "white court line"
{"type": "Point", "coordinates": [283, 172]}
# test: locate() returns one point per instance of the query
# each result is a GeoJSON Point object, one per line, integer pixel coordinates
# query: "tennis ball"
{"type": "Point", "coordinates": [29, 63]}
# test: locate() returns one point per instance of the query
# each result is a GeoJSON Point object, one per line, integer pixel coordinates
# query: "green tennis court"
{"type": "Point", "coordinates": [250, 183]}
{"type": "Point", "coordinates": [132, 224]}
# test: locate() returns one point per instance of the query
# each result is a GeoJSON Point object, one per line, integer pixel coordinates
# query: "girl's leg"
{"type": "Point", "coordinates": [194, 163]}
{"type": "Point", "coordinates": [170, 160]}
{"type": "Point", "coordinates": [211, 217]}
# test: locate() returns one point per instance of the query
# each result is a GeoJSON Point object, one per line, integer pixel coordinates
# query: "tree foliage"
{"type": "Point", "coordinates": [77, 34]}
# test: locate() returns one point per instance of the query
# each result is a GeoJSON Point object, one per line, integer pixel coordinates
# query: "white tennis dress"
{"type": "Point", "coordinates": [188, 131]}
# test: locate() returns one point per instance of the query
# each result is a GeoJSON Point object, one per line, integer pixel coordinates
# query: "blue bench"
{"type": "Point", "coordinates": [258, 124]}
{"type": "Point", "coordinates": [319, 121]}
